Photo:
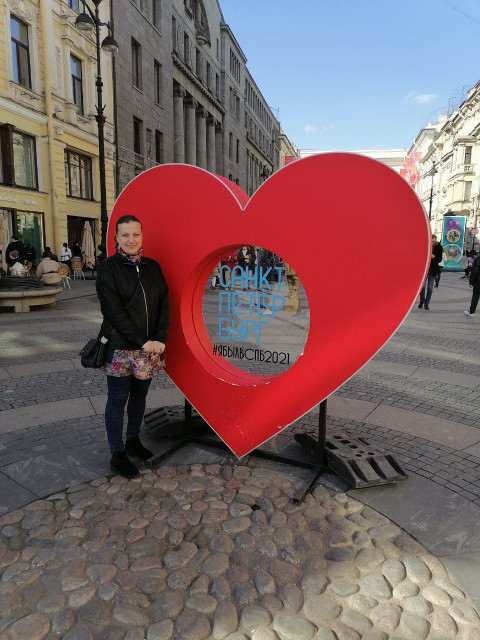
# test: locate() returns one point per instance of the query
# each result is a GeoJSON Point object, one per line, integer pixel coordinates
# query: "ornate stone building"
{"type": "Point", "coordinates": [184, 94]}
{"type": "Point", "coordinates": [449, 174]}
{"type": "Point", "coordinates": [49, 178]}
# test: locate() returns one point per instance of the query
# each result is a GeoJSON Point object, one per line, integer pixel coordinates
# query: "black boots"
{"type": "Point", "coordinates": [122, 465]}
{"type": "Point", "coordinates": [136, 448]}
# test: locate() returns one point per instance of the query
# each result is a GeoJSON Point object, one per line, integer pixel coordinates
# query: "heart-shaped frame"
{"type": "Point", "coordinates": [357, 237]}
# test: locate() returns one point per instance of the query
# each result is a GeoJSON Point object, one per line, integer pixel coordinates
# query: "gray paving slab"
{"type": "Point", "coordinates": [465, 568]}
{"type": "Point", "coordinates": [471, 359]}
{"type": "Point", "coordinates": [348, 408]}
{"type": "Point", "coordinates": [421, 425]}
{"type": "Point", "coordinates": [13, 495]}
{"type": "Point", "coordinates": [4, 373]}
{"type": "Point", "coordinates": [47, 474]}
{"type": "Point", "coordinates": [443, 521]}
{"type": "Point", "coordinates": [390, 347]}
{"type": "Point", "coordinates": [21, 370]}
{"type": "Point", "coordinates": [461, 379]}
{"type": "Point", "coordinates": [38, 414]}
{"type": "Point", "coordinates": [474, 450]}
{"type": "Point", "coordinates": [433, 353]}
{"type": "Point", "coordinates": [390, 368]}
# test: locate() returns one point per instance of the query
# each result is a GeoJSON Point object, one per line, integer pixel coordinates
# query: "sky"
{"type": "Point", "coordinates": [358, 74]}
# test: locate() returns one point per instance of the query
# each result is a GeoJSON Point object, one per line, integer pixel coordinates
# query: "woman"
{"type": "Point", "coordinates": [133, 298]}
{"type": "Point", "coordinates": [48, 270]}
{"type": "Point", "coordinates": [66, 255]}
{"type": "Point", "coordinates": [77, 250]}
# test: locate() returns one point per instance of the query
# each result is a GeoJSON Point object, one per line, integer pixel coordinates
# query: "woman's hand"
{"type": "Point", "coordinates": [153, 346]}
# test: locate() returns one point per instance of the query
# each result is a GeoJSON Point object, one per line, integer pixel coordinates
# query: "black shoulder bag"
{"type": "Point", "coordinates": [93, 354]}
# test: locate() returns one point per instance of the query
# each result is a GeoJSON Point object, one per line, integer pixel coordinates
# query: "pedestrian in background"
{"type": "Point", "coordinates": [133, 298]}
{"type": "Point", "coordinates": [436, 258]}
{"type": "Point", "coordinates": [15, 244]}
{"type": "Point", "coordinates": [77, 250]}
{"type": "Point", "coordinates": [48, 270]}
{"type": "Point", "coordinates": [474, 282]}
{"type": "Point", "coordinates": [440, 269]}
{"type": "Point", "coordinates": [470, 260]}
{"type": "Point", "coordinates": [66, 255]}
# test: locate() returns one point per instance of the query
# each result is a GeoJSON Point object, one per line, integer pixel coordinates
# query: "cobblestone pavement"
{"type": "Point", "coordinates": [218, 552]}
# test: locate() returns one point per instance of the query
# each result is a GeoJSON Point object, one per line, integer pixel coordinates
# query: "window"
{"type": "Point", "coordinates": [468, 155]}
{"type": "Point", "coordinates": [156, 13]}
{"type": "Point", "coordinates": [468, 190]}
{"type": "Point", "coordinates": [217, 85]}
{"type": "Point", "coordinates": [237, 154]}
{"type": "Point", "coordinates": [230, 145]}
{"type": "Point", "coordinates": [78, 175]}
{"type": "Point", "coordinates": [73, 4]}
{"type": "Point", "coordinates": [20, 53]}
{"type": "Point", "coordinates": [136, 64]}
{"type": "Point", "coordinates": [137, 135]}
{"type": "Point", "coordinates": [77, 89]}
{"type": "Point", "coordinates": [157, 82]}
{"type": "Point", "coordinates": [218, 49]}
{"type": "Point", "coordinates": [24, 160]}
{"type": "Point", "coordinates": [209, 73]}
{"type": "Point", "coordinates": [18, 158]}
{"type": "Point", "coordinates": [158, 147]}
{"type": "Point", "coordinates": [186, 49]}
{"type": "Point", "coordinates": [174, 34]}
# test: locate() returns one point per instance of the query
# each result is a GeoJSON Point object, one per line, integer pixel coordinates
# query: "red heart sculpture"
{"type": "Point", "coordinates": [357, 237]}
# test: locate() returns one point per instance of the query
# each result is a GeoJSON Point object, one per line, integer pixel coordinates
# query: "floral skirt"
{"type": "Point", "coordinates": [138, 363]}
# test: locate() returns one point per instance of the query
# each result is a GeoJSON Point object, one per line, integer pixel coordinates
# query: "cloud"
{"type": "Point", "coordinates": [310, 128]}
{"type": "Point", "coordinates": [419, 98]}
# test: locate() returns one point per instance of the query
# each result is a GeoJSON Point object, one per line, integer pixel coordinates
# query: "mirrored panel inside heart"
{"type": "Point", "coordinates": [255, 311]}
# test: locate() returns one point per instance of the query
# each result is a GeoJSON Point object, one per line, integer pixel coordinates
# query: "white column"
{"type": "Point", "coordinates": [202, 116]}
{"type": "Point", "coordinates": [211, 124]}
{"type": "Point", "coordinates": [190, 131]}
{"type": "Point", "coordinates": [178, 125]}
{"type": "Point", "coordinates": [219, 149]}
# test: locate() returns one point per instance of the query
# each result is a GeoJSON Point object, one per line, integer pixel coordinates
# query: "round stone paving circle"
{"type": "Point", "coordinates": [219, 552]}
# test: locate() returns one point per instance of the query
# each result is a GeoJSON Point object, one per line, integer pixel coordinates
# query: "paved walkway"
{"type": "Point", "coordinates": [206, 548]}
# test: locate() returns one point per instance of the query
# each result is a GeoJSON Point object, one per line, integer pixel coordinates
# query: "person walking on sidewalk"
{"type": "Point", "coordinates": [474, 282]}
{"type": "Point", "coordinates": [133, 298]}
{"type": "Point", "coordinates": [436, 258]}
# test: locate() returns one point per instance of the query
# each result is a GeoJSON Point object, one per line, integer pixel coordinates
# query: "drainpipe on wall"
{"type": "Point", "coordinates": [115, 118]}
{"type": "Point", "coordinates": [55, 227]}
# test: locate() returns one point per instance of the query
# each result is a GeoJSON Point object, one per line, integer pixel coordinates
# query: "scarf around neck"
{"type": "Point", "coordinates": [133, 259]}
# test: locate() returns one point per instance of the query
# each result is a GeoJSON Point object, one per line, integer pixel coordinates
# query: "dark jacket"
{"type": "Point", "coordinates": [475, 272]}
{"type": "Point", "coordinates": [437, 251]}
{"type": "Point", "coordinates": [16, 245]}
{"type": "Point", "coordinates": [134, 301]}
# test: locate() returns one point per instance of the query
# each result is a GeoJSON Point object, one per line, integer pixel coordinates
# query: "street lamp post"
{"type": "Point", "coordinates": [433, 171]}
{"type": "Point", "coordinates": [88, 22]}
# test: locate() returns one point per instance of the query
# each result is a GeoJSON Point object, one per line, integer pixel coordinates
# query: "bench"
{"type": "Point", "coordinates": [21, 301]}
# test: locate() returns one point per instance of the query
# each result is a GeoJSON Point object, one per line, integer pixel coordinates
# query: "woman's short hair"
{"type": "Point", "coordinates": [125, 220]}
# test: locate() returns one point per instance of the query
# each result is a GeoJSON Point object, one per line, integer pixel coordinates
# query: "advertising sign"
{"type": "Point", "coordinates": [452, 242]}
{"type": "Point", "coordinates": [268, 316]}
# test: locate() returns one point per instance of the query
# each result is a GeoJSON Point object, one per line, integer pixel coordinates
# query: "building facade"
{"type": "Point", "coordinates": [184, 94]}
{"type": "Point", "coordinates": [449, 175]}
{"type": "Point", "coordinates": [49, 181]}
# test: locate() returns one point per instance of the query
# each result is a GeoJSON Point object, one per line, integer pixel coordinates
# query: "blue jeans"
{"type": "Point", "coordinates": [426, 292]}
{"type": "Point", "coordinates": [119, 391]}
